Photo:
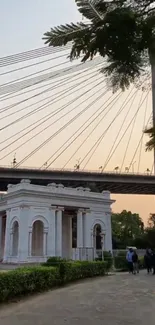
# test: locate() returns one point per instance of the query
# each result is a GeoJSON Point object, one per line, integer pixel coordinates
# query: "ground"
{"type": "Point", "coordinates": [118, 299]}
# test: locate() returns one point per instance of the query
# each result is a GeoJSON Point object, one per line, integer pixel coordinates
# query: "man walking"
{"type": "Point", "coordinates": [135, 262]}
{"type": "Point", "coordinates": [129, 260]}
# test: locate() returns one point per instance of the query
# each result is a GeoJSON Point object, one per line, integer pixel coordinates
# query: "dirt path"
{"type": "Point", "coordinates": [119, 299]}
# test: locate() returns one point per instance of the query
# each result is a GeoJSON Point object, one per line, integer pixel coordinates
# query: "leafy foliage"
{"type": "Point", "coordinates": [121, 264]}
{"type": "Point", "coordinates": [122, 31]}
{"type": "Point", "coordinates": [150, 145]}
{"type": "Point", "coordinates": [14, 284]}
{"type": "Point", "coordinates": [126, 227]}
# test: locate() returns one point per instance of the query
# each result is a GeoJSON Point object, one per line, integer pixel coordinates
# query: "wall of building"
{"type": "Point", "coordinates": [27, 203]}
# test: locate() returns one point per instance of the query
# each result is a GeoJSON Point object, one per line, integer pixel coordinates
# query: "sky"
{"type": "Point", "coordinates": [22, 26]}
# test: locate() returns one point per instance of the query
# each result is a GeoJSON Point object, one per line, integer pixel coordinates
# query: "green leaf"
{"type": "Point", "coordinates": [63, 34]}
{"type": "Point", "coordinates": [88, 8]}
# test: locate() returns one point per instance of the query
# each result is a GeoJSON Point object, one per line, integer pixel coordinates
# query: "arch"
{"type": "Point", "coordinates": [37, 248]}
{"type": "Point", "coordinates": [40, 218]}
{"type": "Point", "coordinates": [15, 238]}
{"type": "Point", "coordinates": [98, 228]}
{"type": "Point", "coordinates": [13, 221]}
{"type": "Point", "coordinates": [99, 222]}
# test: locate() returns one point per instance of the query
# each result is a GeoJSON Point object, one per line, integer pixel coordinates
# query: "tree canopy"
{"type": "Point", "coordinates": [122, 31]}
{"type": "Point", "coordinates": [126, 227]}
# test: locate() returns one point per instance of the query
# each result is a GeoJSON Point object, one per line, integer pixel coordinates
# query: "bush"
{"type": "Point", "coordinates": [107, 258]}
{"type": "Point", "coordinates": [121, 264]}
{"type": "Point", "coordinates": [25, 281]}
{"type": "Point", "coordinates": [54, 261]}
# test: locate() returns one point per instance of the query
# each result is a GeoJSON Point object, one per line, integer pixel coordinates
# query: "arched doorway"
{"type": "Point", "coordinates": [97, 237]}
{"type": "Point", "coordinates": [15, 239]}
{"type": "Point", "coordinates": [37, 238]}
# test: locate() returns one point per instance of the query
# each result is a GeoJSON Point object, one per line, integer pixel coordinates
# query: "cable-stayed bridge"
{"type": "Point", "coordinates": [60, 114]}
{"type": "Point", "coordinates": [114, 182]}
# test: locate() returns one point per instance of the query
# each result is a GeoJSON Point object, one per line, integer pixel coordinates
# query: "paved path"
{"type": "Point", "coordinates": [119, 299]}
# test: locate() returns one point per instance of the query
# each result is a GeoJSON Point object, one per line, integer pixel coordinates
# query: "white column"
{"type": "Point", "coordinates": [70, 237]}
{"type": "Point", "coordinates": [45, 243]}
{"type": "Point", "coordinates": [80, 229]}
{"type": "Point", "coordinates": [23, 244]}
{"type": "Point", "coordinates": [59, 232]}
{"type": "Point", "coordinates": [88, 237]}
{"type": "Point", "coordinates": [51, 241]}
{"type": "Point", "coordinates": [108, 233]}
{"type": "Point", "coordinates": [30, 242]}
{"type": "Point", "coordinates": [7, 237]}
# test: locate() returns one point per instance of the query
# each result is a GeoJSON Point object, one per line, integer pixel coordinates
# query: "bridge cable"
{"type": "Point", "coordinates": [31, 55]}
{"type": "Point", "coordinates": [99, 114]}
{"type": "Point", "coordinates": [7, 97]}
{"type": "Point", "coordinates": [61, 129]}
{"type": "Point", "coordinates": [20, 85]}
{"type": "Point", "coordinates": [120, 129]}
{"type": "Point", "coordinates": [45, 116]}
{"type": "Point", "coordinates": [139, 143]}
{"type": "Point", "coordinates": [115, 99]}
{"type": "Point", "coordinates": [38, 109]}
{"type": "Point", "coordinates": [103, 134]}
{"type": "Point", "coordinates": [131, 121]}
{"type": "Point", "coordinates": [131, 132]}
{"type": "Point", "coordinates": [111, 155]}
{"type": "Point", "coordinates": [144, 121]}
{"type": "Point", "coordinates": [48, 116]}
{"type": "Point", "coordinates": [32, 65]}
{"type": "Point", "coordinates": [35, 73]}
{"type": "Point", "coordinates": [43, 92]}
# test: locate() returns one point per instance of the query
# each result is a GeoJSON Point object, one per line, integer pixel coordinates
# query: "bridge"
{"type": "Point", "coordinates": [118, 183]}
{"type": "Point", "coordinates": [68, 117]}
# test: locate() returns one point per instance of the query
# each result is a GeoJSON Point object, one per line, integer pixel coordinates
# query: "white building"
{"type": "Point", "coordinates": [41, 221]}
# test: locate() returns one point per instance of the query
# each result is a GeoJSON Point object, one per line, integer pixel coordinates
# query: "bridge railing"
{"type": "Point", "coordinates": [76, 170]}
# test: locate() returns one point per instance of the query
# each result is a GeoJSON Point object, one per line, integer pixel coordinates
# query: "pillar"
{"type": "Point", "coordinates": [45, 242]}
{"type": "Point", "coordinates": [51, 243]}
{"type": "Point", "coordinates": [23, 244]}
{"type": "Point", "coordinates": [87, 236]}
{"type": "Point", "coordinates": [108, 234]}
{"type": "Point", "coordinates": [80, 229]}
{"type": "Point", "coordinates": [59, 232]}
{"type": "Point", "coordinates": [7, 248]}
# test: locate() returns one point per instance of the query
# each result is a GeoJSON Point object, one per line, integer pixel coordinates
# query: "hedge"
{"type": "Point", "coordinates": [121, 264]}
{"type": "Point", "coordinates": [20, 282]}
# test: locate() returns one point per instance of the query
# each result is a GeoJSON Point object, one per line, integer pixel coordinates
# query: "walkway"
{"type": "Point", "coordinates": [119, 299]}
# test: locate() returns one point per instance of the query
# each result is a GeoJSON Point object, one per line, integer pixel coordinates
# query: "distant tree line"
{"type": "Point", "coordinates": [128, 230]}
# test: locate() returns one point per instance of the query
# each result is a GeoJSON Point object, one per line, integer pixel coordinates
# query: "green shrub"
{"type": "Point", "coordinates": [107, 256]}
{"type": "Point", "coordinates": [122, 253]}
{"type": "Point", "coordinates": [26, 280]}
{"type": "Point", "coordinates": [121, 263]}
{"type": "Point", "coordinates": [54, 261]}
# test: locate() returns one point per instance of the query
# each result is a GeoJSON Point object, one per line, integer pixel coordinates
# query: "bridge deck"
{"type": "Point", "coordinates": [97, 181]}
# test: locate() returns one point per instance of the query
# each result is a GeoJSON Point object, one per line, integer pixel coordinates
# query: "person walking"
{"type": "Point", "coordinates": [148, 260]}
{"type": "Point", "coordinates": [129, 260]}
{"type": "Point", "coordinates": [153, 262]}
{"type": "Point", "coordinates": [135, 262]}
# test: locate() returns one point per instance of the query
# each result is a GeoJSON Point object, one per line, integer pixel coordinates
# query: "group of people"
{"type": "Point", "coordinates": [133, 261]}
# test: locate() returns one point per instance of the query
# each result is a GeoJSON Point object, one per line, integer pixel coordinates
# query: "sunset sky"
{"type": "Point", "coordinates": [22, 26]}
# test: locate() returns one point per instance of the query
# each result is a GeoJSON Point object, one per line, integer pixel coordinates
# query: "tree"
{"type": "Point", "coordinates": [151, 220]}
{"type": "Point", "coordinates": [126, 227]}
{"type": "Point", "coordinates": [122, 31]}
{"type": "Point", "coordinates": [150, 145]}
